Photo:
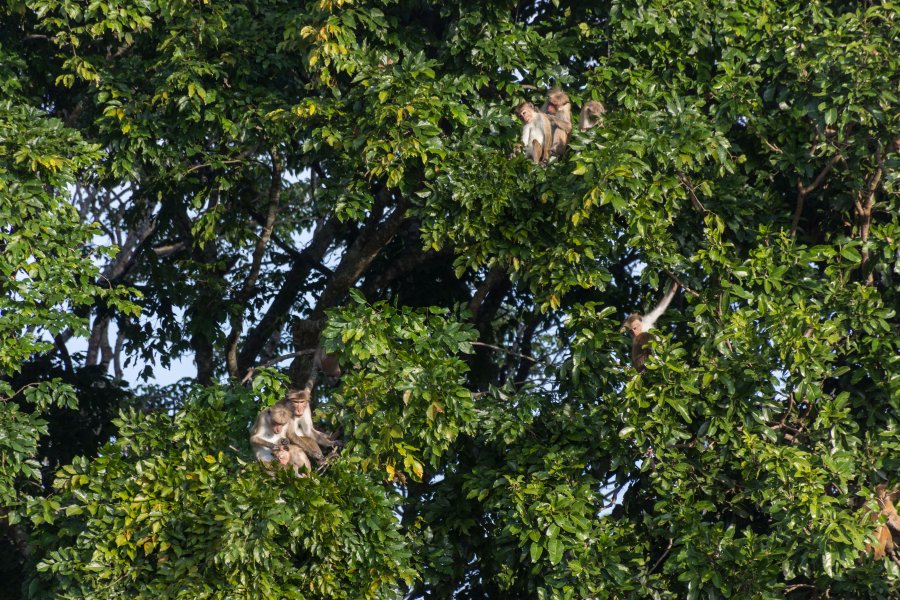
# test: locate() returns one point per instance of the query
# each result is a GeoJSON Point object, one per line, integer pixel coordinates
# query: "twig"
{"type": "Point", "coordinates": [511, 353]}
{"type": "Point", "coordinates": [661, 558]}
{"type": "Point", "coordinates": [798, 586]}
{"type": "Point", "coordinates": [772, 146]}
{"type": "Point", "coordinates": [614, 495]}
{"type": "Point", "coordinates": [686, 182]}
{"type": "Point", "coordinates": [252, 370]}
{"type": "Point", "coordinates": [679, 282]}
{"type": "Point", "coordinates": [206, 165]}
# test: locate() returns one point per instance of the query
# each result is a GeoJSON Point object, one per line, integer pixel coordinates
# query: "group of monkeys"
{"type": "Point", "coordinates": [545, 132]}
{"type": "Point", "coordinates": [283, 435]}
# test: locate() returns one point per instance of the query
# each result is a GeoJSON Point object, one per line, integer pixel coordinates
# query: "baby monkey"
{"type": "Point", "coordinates": [639, 326]}
{"type": "Point", "coordinates": [291, 456]}
{"type": "Point", "coordinates": [536, 132]}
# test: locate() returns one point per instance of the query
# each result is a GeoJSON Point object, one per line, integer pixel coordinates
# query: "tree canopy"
{"type": "Point", "coordinates": [240, 183]}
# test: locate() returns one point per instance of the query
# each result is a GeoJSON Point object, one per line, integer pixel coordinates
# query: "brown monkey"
{"type": "Point", "coordinates": [536, 134]}
{"type": "Point", "coordinates": [301, 421]}
{"type": "Point", "coordinates": [274, 424]}
{"type": "Point", "coordinates": [886, 542]}
{"type": "Point", "coordinates": [559, 111]}
{"type": "Point", "coordinates": [267, 431]}
{"type": "Point", "coordinates": [639, 326]}
{"type": "Point", "coordinates": [330, 365]}
{"type": "Point", "coordinates": [591, 115]}
{"type": "Point", "coordinates": [292, 456]}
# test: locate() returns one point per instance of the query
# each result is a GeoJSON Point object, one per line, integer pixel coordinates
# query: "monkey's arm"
{"type": "Point", "coordinates": [256, 435]}
{"type": "Point", "coordinates": [258, 440]}
{"type": "Point", "coordinates": [650, 318]}
{"type": "Point", "coordinates": [308, 445]}
{"type": "Point", "coordinates": [323, 440]}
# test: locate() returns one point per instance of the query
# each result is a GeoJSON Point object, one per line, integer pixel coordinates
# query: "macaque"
{"type": "Point", "coordinates": [559, 111]}
{"type": "Point", "coordinates": [275, 424]}
{"type": "Point", "coordinates": [268, 430]}
{"type": "Point", "coordinates": [297, 402]}
{"type": "Point", "coordinates": [591, 115]}
{"type": "Point", "coordinates": [330, 366]}
{"type": "Point", "coordinates": [639, 326]}
{"type": "Point", "coordinates": [291, 456]}
{"type": "Point", "coordinates": [885, 544]}
{"type": "Point", "coordinates": [536, 133]}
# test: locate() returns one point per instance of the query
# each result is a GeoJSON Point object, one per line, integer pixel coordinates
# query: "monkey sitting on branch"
{"type": "Point", "coordinates": [558, 110]}
{"type": "Point", "coordinates": [639, 326]}
{"type": "Point", "coordinates": [296, 401]}
{"type": "Point", "coordinates": [887, 534]}
{"type": "Point", "coordinates": [536, 133]}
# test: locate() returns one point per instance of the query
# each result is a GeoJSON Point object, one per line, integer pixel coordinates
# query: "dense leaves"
{"type": "Point", "coordinates": [184, 521]}
{"type": "Point", "coordinates": [283, 176]}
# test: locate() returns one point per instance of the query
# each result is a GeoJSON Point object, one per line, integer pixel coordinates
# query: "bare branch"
{"type": "Point", "coordinates": [253, 370]}
{"type": "Point", "coordinates": [511, 353]}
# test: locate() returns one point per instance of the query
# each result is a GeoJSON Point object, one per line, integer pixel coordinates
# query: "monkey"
{"type": "Point", "coordinates": [591, 115]}
{"type": "Point", "coordinates": [297, 401]}
{"type": "Point", "coordinates": [329, 364]}
{"type": "Point", "coordinates": [884, 533]}
{"type": "Point", "coordinates": [536, 135]}
{"type": "Point", "coordinates": [639, 326]}
{"type": "Point", "coordinates": [268, 429]}
{"type": "Point", "coordinates": [274, 424]}
{"type": "Point", "coordinates": [559, 110]}
{"type": "Point", "coordinates": [292, 456]}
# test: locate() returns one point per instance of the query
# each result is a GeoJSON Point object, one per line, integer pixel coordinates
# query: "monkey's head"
{"type": "Point", "coordinates": [280, 415]}
{"type": "Point", "coordinates": [526, 112]}
{"type": "Point", "coordinates": [634, 323]}
{"type": "Point", "coordinates": [591, 115]}
{"type": "Point", "coordinates": [556, 99]}
{"type": "Point", "coordinates": [331, 366]}
{"type": "Point", "coordinates": [282, 452]}
{"type": "Point", "coordinates": [299, 399]}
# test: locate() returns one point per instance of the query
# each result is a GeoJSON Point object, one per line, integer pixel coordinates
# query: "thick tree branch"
{"type": "Point", "coordinates": [359, 256]}
{"type": "Point", "coordinates": [304, 263]}
{"type": "Point", "coordinates": [246, 291]}
{"type": "Point", "coordinates": [864, 204]}
{"type": "Point", "coordinates": [804, 191]}
{"type": "Point", "coordinates": [374, 237]}
{"type": "Point", "coordinates": [495, 277]}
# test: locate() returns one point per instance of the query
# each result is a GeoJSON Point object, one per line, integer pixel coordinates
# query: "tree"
{"type": "Point", "coordinates": [48, 276]}
{"type": "Point", "coordinates": [285, 177]}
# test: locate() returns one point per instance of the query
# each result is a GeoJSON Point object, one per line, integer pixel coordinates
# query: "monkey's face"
{"type": "Point", "coordinates": [299, 406]}
{"type": "Point", "coordinates": [283, 455]}
{"type": "Point", "coordinates": [633, 326]}
{"type": "Point", "coordinates": [526, 113]}
{"type": "Point", "coordinates": [277, 427]}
